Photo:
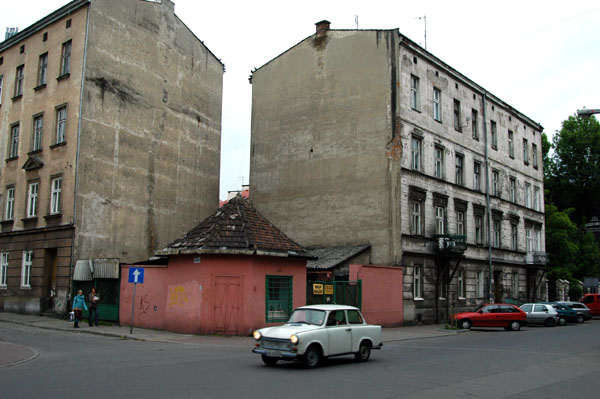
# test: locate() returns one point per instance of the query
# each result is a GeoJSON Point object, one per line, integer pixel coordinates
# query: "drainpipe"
{"type": "Point", "coordinates": [487, 199]}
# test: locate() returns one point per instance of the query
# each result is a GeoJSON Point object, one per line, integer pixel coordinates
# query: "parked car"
{"type": "Point", "coordinates": [493, 315]}
{"type": "Point", "coordinates": [565, 313]}
{"type": "Point", "coordinates": [583, 312]}
{"type": "Point", "coordinates": [540, 313]}
{"type": "Point", "coordinates": [592, 301]}
{"type": "Point", "coordinates": [316, 332]}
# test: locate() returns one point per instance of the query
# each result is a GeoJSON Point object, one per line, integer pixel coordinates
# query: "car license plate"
{"type": "Point", "coordinates": [273, 354]}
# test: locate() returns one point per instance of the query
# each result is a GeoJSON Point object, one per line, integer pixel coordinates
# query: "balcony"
{"type": "Point", "coordinates": [536, 258]}
{"type": "Point", "coordinates": [450, 243]}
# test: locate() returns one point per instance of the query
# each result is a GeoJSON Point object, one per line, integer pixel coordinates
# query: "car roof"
{"type": "Point", "coordinates": [328, 307]}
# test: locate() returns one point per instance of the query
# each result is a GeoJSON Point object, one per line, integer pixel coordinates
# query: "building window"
{"type": "Point", "coordinates": [460, 223]}
{"type": "Point", "coordinates": [494, 134]}
{"type": "Point", "coordinates": [459, 170]}
{"type": "Point", "coordinates": [527, 195]}
{"type": "Point", "coordinates": [42, 69]}
{"type": "Point", "coordinates": [497, 233]}
{"type": "Point", "coordinates": [536, 198]}
{"type": "Point", "coordinates": [414, 92]}
{"type": "Point", "coordinates": [477, 176]}
{"type": "Point", "coordinates": [1, 83]}
{"type": "Point", "coordinates": [19, 80]}
{"type": "Point", "coordinates": [26, 269]}
{"type": "Point", "coordinates": [56, 187]}
{"type": "Point", "coordinates": [68, 23]}
{"type": "Point", "coordinates": [462, 289]}
{"type": "Point", "coordinates": [437, 104]}
{"type": "Point", "coordinates": [495, 183]}
{"type": "Point", "coordinates": [9, 211]}
{"type": "Point", "coordinates": [38, 129]}
{"type": "Point", "coordinates": [528, 238]}
{"type": "Point", "coordinates": [440, 219]}
{"type": "Point", "coordinates": [416, 153]}
{"type": "Point", "coordinates": [32, 199]}
{"type": "Point", "coordinates": [439, 162]}
{"type": "Point", "coordinates": [61, 124]}
{"type": "Point", "coordinates": [513, 189]}
{"type": "Point", "coordinates": [457, 125]}
{"type": "Point", "coordinates": [525, 152]}
{"type": "Point", "coordinates": [417, 217]}
{"type": "Point", "coordinates": [418, 282]}
{"type": "Point", "coordinates": [511, 144]}
{"type": "Point", "coordinates": [474, 124]}
{"type": "Point", "coordinates": [278, 298]}
{"type": "Point", "coordinates": [534, 155]}
{"type": "Point", "coordinates": [514, 237]}
{"type": "Point", "coordinates": [14, 141]}
{"type": "Point", "coordinates": [65, 59]}
{"type": "Point", "coordinates": [480, 283]}
{"type": "Point", "coordinates": [538, 240]}
{"type": "Point", "coordinates": [478, 229]}
{"type": "Point", "coordinates": [3, 269]}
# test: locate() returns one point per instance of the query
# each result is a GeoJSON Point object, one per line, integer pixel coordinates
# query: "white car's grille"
{"type": "Point", "coordinates": [279, 344]}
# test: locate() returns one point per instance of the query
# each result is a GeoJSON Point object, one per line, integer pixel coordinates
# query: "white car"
{"type": "Point", "coordinates": [318, 331]}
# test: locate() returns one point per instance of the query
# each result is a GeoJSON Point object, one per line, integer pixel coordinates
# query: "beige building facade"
{"type": "Point", "coordinates": [110, 122]}
{"type": "Point", "coordinates": [364, 137]}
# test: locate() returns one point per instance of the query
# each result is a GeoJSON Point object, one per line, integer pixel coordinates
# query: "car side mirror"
{"type": "Point", "coordinates": [480, 312]}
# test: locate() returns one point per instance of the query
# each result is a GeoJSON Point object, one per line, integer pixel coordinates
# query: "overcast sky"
{"type": "Point", "coordinates": [541, 57]}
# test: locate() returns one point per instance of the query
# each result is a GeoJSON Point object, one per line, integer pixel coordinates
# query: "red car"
{"type": "Point", "coordinates": [592, 301]}
{"type": "Point", "coordinates": [495, 315]}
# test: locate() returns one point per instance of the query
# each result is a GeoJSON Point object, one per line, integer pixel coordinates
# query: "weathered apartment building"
{"type": "Point", "coordinates": [364, 137]}
{"type": "Point", "coordinates": [110, 123]}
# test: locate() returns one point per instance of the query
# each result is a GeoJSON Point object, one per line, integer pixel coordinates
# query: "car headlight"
{"type": "Point", "coordinates": [256, 335]}
{"type": "Point", "coordinates": [294, 338]}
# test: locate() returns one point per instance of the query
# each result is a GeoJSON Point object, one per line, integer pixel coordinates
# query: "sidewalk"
{"type": "Point", "coordinates": [18, 353]}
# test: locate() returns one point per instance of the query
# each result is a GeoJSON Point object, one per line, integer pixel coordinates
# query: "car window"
{"type": "Point", "coordinates": [336, 317]}
{"type": "Point", "coordinates": [310, 316]}
{"type": "Point", "coordinates": [489, 309]}
{"type": "Point", "coordinates": [539, 308]}
{"type": "Point", "coordinates": [588, 299]}
{"type": "Point", "coordinates": [576, 306]}
{"type": "Point", "coordinates": [354, 317]}
{"type": "Point", "coordinates": [526, 308]}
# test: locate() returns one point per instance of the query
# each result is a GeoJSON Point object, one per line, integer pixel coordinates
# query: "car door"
{"type": "Point", "coordinates": [539, 313]}
{"type": "Point", "coordinates": [486, 316]}
{"type": "Point", "coordinates": [339, 333]}
{"type": "Point", "coordinates": [527, 309]}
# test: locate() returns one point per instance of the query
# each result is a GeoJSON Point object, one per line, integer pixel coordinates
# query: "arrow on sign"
{"type": "Point", "coordinates": [136, 274]}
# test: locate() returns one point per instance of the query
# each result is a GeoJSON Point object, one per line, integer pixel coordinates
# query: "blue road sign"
{"type": "Point", "coordinates": [136, 275]}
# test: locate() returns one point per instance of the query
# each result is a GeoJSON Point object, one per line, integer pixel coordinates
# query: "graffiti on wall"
{"type": "Point", "coordinates": [177, 297]}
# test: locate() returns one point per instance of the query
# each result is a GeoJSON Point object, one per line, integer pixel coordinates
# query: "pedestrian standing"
{"type": "Point", "coordinates": [78, 306]}
{"type": "Point", "coordinates": [94, 298]}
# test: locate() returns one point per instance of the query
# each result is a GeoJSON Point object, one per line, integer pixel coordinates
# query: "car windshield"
{"type": "Point", "coordinates": [307, 316]}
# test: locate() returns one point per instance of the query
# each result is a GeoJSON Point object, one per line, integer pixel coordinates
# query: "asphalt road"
{"type": "Point", "coordinates": [536, 362]}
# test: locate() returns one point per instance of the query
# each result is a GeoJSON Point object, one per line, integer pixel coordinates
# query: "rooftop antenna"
{"type": "Point", "coordinates": [424, 18]}
{"type": "Point", "coordinates": [356, 21]}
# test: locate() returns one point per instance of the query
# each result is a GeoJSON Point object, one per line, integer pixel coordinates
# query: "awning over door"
{"type": "Point", "coordinates": [89, 269]}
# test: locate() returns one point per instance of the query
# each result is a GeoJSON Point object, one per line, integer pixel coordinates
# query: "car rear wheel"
{"type": "Point", "coordinates": [269, 361]}
{"type": "Point", "coordinates": [514, 326]}
{"type": "Point", "coordinates": [364, 352]}
{"type": "Point", "coordinates": [550, 322]}
{"type": "Point", "coordinates": [580, 318]}
{"type": "Point", "coordinates": [465, 324]}
{"type": "Point", "coordinates": [311, 357]}
{"type": "Point", "coordinates": [562, 321]}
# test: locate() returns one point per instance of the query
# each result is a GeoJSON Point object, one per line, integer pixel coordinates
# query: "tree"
{"type": "Point", "coordinates": [561, 243]}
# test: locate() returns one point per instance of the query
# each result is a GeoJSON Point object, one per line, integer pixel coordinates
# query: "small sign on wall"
{"type": "Point", "coordinates": [317, 289]}
{"type": "Point", "coordinates": [328, 289]}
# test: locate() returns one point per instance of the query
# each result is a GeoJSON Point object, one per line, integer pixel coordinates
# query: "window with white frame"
{"type": "Point", "coordinates": [528, 238]}
{"type": "Point", "coordinates": [14, 141]}
{"type": "Point", "coordinates": [26, 269]}
{"type": "Point", "coordinates": [61, 124]}
{"type": "Point", "coordinates": [9, 210]}
{"type": "Point", "coordinates": [457, 123]}
{"type": "Point", "coordinates": [19, 80]}
{"type": "Point", "coordinates": [38, 129]}
{"type": "Point", "coordinates": [437, 104]}
{"type": "Point", "coordinates": [462, 289]}
{"type": "Point", "coordinates": [513, 189]}
{"type": "Point", "coordinates": [3, 269]}
{"type": "Point", "coordinates": [536, 198]}
{"type": "Point", "coordinates": [478, 229]}
{"type": "Point", "coordinates": [42, 70]}
{"type": "Point", "coordinates": [32, 199]}
{"type": "Point", "coordinates": [416, 153]}
{"type": "Point", "coordinates": [417, 217]}
{"type": "Point", "coordinates": [511, 144]}
{"type": "Point", "coordinates": [514, 237]}
{"type": "Point", "coordinates": [477, 176]}
{"type": "Point", "coordinates": [418, 282]}
{"type": "Point", "coordinates": [414, 92]}
{"type": "Point", "coordinates": [538, 240]}
{"type": "Point", "coordinates": [527, 195]}
{"type": "Point", "coordinates": [474, 124]}
{"type": "Point", "coordinates": [65, 59]}
{"type": "Point", "coordinates": [494, 134]}
{"type": "Point", "coordinates": [440, 219]}
{"type": "Point", "coordinates": [439, 162]}
{"type": "Point", "coordinates": [56, 187]}
{"type": "Point", "coordinates": [495, 183]}
{"type": "Point", "coordinates": [525, 152]}
{"type": "Point", "coordinates": [459, 169]}
{"type": "Point", "coordinates": [460, 223]}
{"type": "Point", "coordinates": [480, 284]}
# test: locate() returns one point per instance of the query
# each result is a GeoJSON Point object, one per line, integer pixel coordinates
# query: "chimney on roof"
{"type": "Point", "coordinates": [323, 26]}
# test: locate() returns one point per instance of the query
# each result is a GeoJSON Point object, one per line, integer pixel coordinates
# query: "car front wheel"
{"type": "Point", "coordinates": [311, 357]}
{"type": "Point", "coordinates": [269, 361]}
{"type": "Point", "coordinates": [514, 326]}
{"type": "Point", "coordinates": [364, 352]}
{"type": "Point", "coordinates": [465, 324]}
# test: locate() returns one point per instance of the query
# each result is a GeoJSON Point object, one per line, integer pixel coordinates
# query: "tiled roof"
{"type": "Point", "coordinates": [237, 227]}
{"type": "Point", "coordinates": [329, 257]}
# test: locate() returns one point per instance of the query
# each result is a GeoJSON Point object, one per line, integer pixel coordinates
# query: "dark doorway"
{"type": "Point", "coordinates": [49, 287]}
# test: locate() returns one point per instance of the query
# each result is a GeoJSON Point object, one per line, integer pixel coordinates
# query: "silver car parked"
{"type": "Point", "coordinates": [583, 312]}
{"type": "Point", "coordinates": [539, 313]}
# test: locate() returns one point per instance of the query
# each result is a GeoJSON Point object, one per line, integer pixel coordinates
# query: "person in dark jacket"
{"type": "Point", "coordinates": [94, 298]}
{"type": "Point", "coordinates": [78, 306]}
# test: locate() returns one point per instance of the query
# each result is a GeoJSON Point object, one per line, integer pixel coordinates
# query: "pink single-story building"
{"type": "Point", "coordinates": [233, 273]}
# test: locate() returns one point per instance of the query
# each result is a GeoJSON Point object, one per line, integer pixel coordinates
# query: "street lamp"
{"type": "Point", "coordinates": [587, 112]}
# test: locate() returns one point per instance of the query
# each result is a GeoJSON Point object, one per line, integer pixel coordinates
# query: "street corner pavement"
{"type": "Point", "coordinates": [13, 354]}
